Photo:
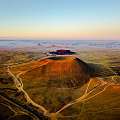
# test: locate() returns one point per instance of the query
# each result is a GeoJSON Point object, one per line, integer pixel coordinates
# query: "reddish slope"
{"type": "Point", "coordinates": [58, 71]}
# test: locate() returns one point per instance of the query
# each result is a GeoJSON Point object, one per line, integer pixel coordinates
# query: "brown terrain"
{"type": "Point", "coordinates": [59, 88]}
{"type": "Point", "coordinates": [69, 71]}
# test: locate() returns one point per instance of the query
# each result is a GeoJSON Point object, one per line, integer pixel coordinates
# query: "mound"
{"type": "Point", "coordinates": [60, 71]}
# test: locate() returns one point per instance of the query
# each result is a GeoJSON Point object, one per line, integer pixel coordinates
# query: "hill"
{"type": "Point", "coordinates": [60, 71]}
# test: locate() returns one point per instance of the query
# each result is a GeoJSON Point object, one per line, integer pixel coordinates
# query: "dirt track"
{"type": "Point", "coordinates": [19, 85]}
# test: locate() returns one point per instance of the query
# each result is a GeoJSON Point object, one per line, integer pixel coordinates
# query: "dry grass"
{"type": "Point", "coordinates": [53, 96]}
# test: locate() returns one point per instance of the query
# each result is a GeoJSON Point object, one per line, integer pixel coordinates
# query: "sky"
{"type": "Point", "coordinates": [60, 19]}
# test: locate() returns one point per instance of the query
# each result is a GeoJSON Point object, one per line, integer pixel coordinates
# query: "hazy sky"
{"type": "Point", "coordinates": [60, 19]}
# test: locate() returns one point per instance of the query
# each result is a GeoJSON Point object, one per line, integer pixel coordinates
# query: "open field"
{"type": "Point", "coordinates": [97, 99]}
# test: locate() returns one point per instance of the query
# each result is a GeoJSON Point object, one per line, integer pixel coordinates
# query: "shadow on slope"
{"type": "Point", "coordinates": [99, 70]}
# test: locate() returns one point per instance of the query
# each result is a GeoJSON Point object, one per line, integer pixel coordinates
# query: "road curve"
{"type": "Point", "coordinates": [84, 98]}
{"type": "Point", "coordinates": [19, 86]}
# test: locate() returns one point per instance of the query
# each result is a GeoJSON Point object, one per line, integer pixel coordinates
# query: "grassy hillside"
{"type": "Point", "coordinates": [55, 82]}
{"type": "Point", "coordinates": [55, 71]}
{"type": "Point", "coordinates": [105, 106]}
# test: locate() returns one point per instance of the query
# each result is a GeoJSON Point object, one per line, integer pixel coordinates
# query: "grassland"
{"type": "Point", "coordinates": [13, 105]}
{"type": "Point", "coordinates": [104, 106]}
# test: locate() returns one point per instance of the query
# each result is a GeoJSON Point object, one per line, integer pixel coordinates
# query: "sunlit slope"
{"type": "Point", "coordinates": [104, 106]}
{"type": "Point", "coordinates": [54, 82]}
{"type": "Point", "coordinates": [56, 71]}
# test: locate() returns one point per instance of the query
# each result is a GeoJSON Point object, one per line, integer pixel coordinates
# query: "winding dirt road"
{"type": "Point", "coordinates": [85, 97]}
{"type": "Point", "coordinates": [19, 86]}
